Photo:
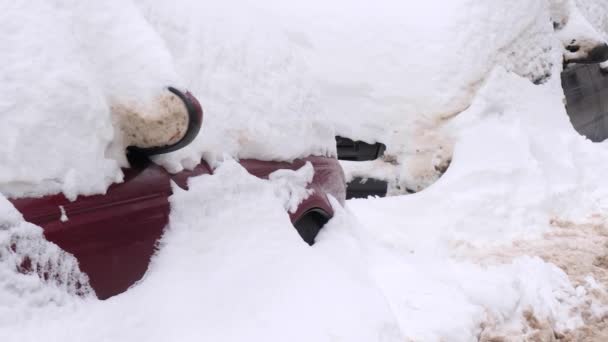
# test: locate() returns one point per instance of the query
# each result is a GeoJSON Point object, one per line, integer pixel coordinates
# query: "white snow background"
{"type": "Point", "coordinates": [277, 81]}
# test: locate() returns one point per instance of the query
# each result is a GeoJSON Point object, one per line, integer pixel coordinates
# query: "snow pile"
{"type": "Point", "coordinates": [244, 274]}
{"type": "Point", "coordinates": [518, 164]}
{"type": "Point", "coordinates": [437, 300]}
{"type": "Point", "coordinates": [455, 262]}
{"type": "Point", "coordinates": [578, 249]}
{"type": "Point", "coordinates": [518, 168]}
{"type": "Point", "coordinates": [233, 275]}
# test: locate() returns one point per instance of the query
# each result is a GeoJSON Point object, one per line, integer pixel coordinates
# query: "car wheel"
{"type": "Point", "coordinates": [309, 224]}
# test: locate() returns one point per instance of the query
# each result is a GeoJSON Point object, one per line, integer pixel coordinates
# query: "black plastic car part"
{"type": "Point", "coordinates": [195, 120]}
{"type": "Point", "coordinates": [363, 188]}
{"type": "Point", "coordinates": [586, 91]}
{"type": "Point", "coordinates": [309, 225]}
{"type": "Point", "coordinates": [351, 150]}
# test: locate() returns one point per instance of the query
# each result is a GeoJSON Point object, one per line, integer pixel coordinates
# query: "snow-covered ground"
{"type": "Point", "coordinates": [510, 243]}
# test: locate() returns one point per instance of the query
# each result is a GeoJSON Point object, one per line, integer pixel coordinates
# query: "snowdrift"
{"type": "Point", "coordinates": [436, 81]}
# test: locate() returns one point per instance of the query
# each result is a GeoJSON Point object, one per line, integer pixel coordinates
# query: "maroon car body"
{"type": "Point", "coordinates": [114, 235]}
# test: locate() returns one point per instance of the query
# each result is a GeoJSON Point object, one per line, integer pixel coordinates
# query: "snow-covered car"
{"type": "Point", "coordinates": [114, 235]}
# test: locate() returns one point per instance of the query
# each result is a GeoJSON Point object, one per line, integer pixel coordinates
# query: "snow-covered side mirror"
{"type": "Point", "coordinates": [176, 128]}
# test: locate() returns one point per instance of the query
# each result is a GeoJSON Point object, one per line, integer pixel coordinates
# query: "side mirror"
{"type": "Point", "coordinates": [194, 113]}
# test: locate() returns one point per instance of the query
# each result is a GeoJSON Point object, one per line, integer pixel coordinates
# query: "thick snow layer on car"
{"type": "Point", "coordinates": [259, 98]}
{"type": "Point", "coordinates": [396, 71]}
{"type": "Point", "coordinates": [277, 80]}
{"type": "Point", "coordinates": [383, 72]}
{"type": "Point", "coordinates": [399, 72]}
{"type": "Point", "coordinates": [508, 244]}
{"type": "Point", "coordinates": [76, 72]}
{"type": "Point", "coordinates": [394, 59]}
{"type": "Point", "coordinates": [65, 63]}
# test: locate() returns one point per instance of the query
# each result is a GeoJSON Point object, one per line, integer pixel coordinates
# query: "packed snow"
{"type": "Point", "coordinates": [505, 238]}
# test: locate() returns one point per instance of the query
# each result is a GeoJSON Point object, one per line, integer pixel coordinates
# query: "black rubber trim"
{"type": "Point", "coordinates": [352, 150]}
{"type": "Point", "coordinates": [363, 188]}
{"type": "Point", "coordinates": [195, 120]}
{"type": "Point", "coordinates": [310, 223]}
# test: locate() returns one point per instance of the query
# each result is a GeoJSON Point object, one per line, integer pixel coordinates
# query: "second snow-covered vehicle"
{"type": "Point", "coordinates": [114, 235]}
